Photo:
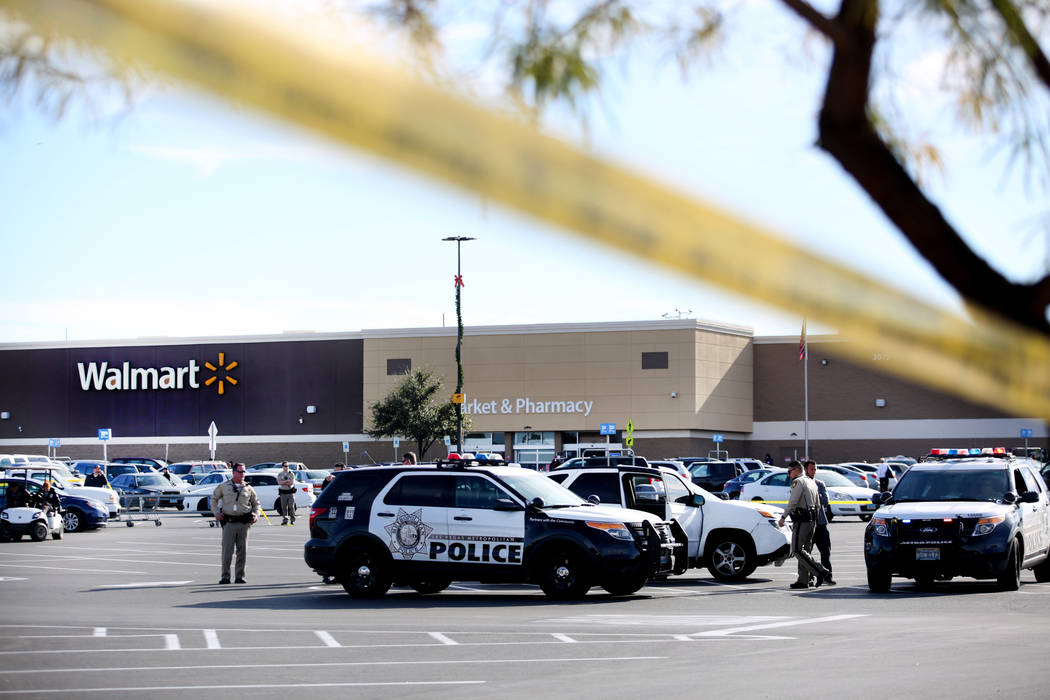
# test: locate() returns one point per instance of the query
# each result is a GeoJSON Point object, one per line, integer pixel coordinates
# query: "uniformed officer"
{"type": "Point", "coordinates": [821, 536]}
{"type": "Point", "coordinates": [236, 506]}
{"type": "Point", "coordinates": [802, 507]}
{"type": "Point", "coordinates": [286, 490]}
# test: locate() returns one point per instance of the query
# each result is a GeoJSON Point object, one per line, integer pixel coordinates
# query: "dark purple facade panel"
{"type": "Point", "coordinates": [265, 389]}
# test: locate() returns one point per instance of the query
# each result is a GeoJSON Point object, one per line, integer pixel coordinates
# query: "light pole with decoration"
{"type": "Point", "coordinates": [458, 398]}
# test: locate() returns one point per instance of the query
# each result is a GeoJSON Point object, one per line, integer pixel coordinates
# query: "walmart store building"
{"type": "Point", "coordinates": [531, 391]}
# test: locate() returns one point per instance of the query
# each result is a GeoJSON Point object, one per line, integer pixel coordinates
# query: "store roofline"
{"type": "Point", "coordinates": [379, 333]}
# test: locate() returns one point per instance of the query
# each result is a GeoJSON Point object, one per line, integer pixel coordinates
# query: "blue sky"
{"type": "Point", "coordinates": [186, 216]}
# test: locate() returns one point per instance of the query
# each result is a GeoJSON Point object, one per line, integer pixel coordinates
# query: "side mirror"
{"type": "Point", "coordinates": [536, 502]}
{"type": "Point", "coordinates": [594, 499]}
{"type": "Point", "coordinates": [505, 504]}
{"type": "Point", "coordinates": [698, 499]}
{"type": "Point", "coordinates": [876, 499]}
{"type": "Point", "coordinates": [1029, 497]}
{"type": "Point", "coordinates": [1009, 497]}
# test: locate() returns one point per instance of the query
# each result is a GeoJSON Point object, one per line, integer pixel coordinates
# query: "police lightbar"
{"type": "Point", "coordinates": [968, 451]}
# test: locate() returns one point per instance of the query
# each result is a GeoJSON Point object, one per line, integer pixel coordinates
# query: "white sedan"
{"type": "Point", "coordinates": [845, 498]}
{"type": "Point", "coordinates": [265, 485]}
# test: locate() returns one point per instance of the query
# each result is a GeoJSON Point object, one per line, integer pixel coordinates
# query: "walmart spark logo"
{"type": "Point", "coordinates": [225, 373]}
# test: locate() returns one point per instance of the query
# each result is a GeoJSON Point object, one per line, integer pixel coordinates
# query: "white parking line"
{"type": "Point", "coordinates": [772, 625]}
{"type": "Point", "coordinates": [144, 689]}
{"type": "Point", "coordinates": [99, 632]}
{"type": "Point", "coordinates": [442, 638]}
{"type": "Point", "coordinates": [145, 584]}
{"type": "Point", "coordinates": [67, 568]}
{"type": "Point", "coordinates": [329, 640]}
{"type": "Point", "coordinates": [564, 638]}
{"type": "Point", "coordinates": [325, 664]}
{"type": "Point", "coordinates": [211, 639]}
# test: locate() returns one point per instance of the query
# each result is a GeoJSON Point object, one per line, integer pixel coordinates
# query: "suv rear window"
{"type": "Point", "coordinates": [431, 490]}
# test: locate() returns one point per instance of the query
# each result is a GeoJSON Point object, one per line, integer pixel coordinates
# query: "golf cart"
{"type": "Point", "coordinates": [26, 509]}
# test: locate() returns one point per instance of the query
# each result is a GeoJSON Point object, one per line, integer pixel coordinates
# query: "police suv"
{"type": "Point", "coordinates": [975, 513]}
{"type": "Point", "coordinates": [730, 538]}
{"type": "Point", "coordinates": [428, 525]}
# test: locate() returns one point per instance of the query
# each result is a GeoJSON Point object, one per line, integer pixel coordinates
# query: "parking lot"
{"type": "Point", "coordinates": [130, 611]}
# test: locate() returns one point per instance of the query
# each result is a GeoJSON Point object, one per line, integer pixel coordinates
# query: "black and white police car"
{"type": "Point", "coordinates": [730, 538]}
{"type": "Point", "coordinates": [979, 513]}
{"type": "Point", "coordinates": [428, 525]}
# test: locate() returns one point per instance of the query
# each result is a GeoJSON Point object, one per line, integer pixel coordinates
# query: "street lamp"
{"type": "Point", "coordinates": [458, 281]}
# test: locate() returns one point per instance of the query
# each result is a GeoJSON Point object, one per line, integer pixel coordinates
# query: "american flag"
{"type": "Point", "coordinates": [802, 342]}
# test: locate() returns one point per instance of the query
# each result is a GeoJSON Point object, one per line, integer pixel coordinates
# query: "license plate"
{"type": "Point", "coordinates": [927, 554]}
{"type": "Point", "coordinates": [867, 507]}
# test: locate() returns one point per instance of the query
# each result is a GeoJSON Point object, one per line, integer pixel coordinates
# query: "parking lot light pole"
{"type": "Point", "coordinates": [458, 280]}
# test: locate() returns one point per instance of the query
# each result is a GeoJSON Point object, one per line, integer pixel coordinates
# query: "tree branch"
{"type": "Point", "coordinates": [847, 134]}
{"type": "Point", "coordinates": [1019, 30]}
{"type": "Point", "coordinates": [818, 20]}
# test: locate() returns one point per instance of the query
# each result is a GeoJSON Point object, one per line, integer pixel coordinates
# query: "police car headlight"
{"type": "Point", "coordinates": [881, 526]}
{"type": "Point", "coordinates": [986, 525]}
{"type": "Point", "coordinates": [616, 530]}
{"type": "Point", "coordinates": [838, 496]}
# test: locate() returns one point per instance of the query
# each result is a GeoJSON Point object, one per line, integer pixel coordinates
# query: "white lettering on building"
{"type": "Point", "coordinates": [525, 405]}
{"type": "Point", "coordinates": [99, 375]}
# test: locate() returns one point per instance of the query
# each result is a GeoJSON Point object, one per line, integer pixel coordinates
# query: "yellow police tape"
{"type": "Point", "coordinates": [305, 77]}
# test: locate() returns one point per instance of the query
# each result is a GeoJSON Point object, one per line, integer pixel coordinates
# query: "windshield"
{"type": "Point", "coordinates": [952, 485]}
{"type": "Point", "coordinates": [530, 485]}
{"type": "Point", "coordinates": [155, 480]}
{"type": "Point", "coordinates": [180, 468]}
{"type": "Point", "coordinates": [833, 478]}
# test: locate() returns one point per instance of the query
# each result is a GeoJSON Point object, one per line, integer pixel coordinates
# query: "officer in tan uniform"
{"type": "Point", "coordinates": [802, 507]}
{"type": "Point", "coordinates": [236, 506]}
{"type": "Point", "coordinates": [286, 492]}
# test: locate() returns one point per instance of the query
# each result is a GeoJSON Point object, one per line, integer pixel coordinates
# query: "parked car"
{"type": "Point", "coordinates": [730, 539]}
{"type": "Point", "coordinates": [869, 470]}
{"type": "Point", "coordinates": [157, 464]}
{"type": "Point", "coordinates": [731, 490]}
{"type": "Point", "coordinates": [79, 513]}
{"type": "Point", "coordinates": [672, 464]}
{"type": "Point", "coordinates": [265, 485]}
{"type": "Point", "coordinates": [856, 477]}
{"type": "Point", "coordinates": [132, 487]}
{"type": "Point", "coordinates": [263, 466]}
{"type": "Point", "coordinates": [712, 476]}
{"type": "Point", "coordinates": [846, 499]}
{"type": "Point", "coordinates": [191, 470]}
{"type": "Point", "coordinates": [63, 487]}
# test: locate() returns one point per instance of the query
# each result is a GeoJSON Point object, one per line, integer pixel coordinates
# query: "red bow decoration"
{"type": "Point", "coordinates": [458, 279]}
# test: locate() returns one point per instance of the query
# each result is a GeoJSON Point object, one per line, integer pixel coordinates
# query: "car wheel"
{"type": "Point", "coordinates": [864, 517]}
{"type": "Point", "coordinates": [1042, 571]}
{"type": "Point", "coordinates": [730, 559]}
{"type": "Point", "coordinates": [624, 585]}
{"type": "Point", "coordinates": [426, 586]}
{"type": "Point", "coordinates": [1010, 579]}
{"type": "Point", "coordinates": [203, 506]}
{"type": "Point", "coordinates": [38, 531]}
{"type": "Point", "coordinates": [562, 574]}
{"type": "Point", "coordinates": [365, 575]}
{"type": "Point", "coordinates": [756, 498]}
{"type": "Point", "coordinates": [73, 520]}
{"type": "Point", "coordinates": [879, 578]}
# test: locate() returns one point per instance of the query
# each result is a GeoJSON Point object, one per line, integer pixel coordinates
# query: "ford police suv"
{"type": "Point", "coordinates": [428, 525]}
{"type": "Point", "coordinates": [983, 516]}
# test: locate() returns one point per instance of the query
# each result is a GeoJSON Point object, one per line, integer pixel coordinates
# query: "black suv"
{"type": "Point", "coordinates": [428, 525]}
{"type": "Point", "coordinates": [712, 476]}
{"type": "Point", "coordinates": [983, 518]}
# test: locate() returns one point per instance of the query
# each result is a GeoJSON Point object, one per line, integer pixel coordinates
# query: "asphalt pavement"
{"type": "Point", "coordinates": [135, 611]}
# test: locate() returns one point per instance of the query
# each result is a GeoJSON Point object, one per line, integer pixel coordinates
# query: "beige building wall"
{"type": "Point", "coordinates": [575, 376]}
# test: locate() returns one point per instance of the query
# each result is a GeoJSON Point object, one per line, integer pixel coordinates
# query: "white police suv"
{"type": "Point", "coordinates": [730, 538]}
{"type": "Point", "coordinates": [428, 525]}
{"type": "Point", "coordinates": [985, 516]}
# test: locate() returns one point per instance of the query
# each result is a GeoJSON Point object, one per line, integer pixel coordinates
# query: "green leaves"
{"type": "Point", "coordinates": [415, 409]}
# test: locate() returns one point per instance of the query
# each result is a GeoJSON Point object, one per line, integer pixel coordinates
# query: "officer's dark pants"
{"type": "Point", "coordinates": [802, 543]}
{"type": "Point", "coordinates": [234, 536]}
{"type": "Point", "coordinates": [822, 541]}
{"type": "Point", "coordinates": [288, 506]}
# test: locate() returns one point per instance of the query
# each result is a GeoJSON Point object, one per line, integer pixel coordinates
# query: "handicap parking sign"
{"type": "Point", "coordinates": [105, 434]}
{"type": "Point", "coordinates": [54, 442]}
{"type": "Point", "coordinates": [607, 428]}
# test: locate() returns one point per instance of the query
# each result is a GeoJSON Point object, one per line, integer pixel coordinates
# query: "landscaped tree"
{"type": "Point", "coordinates": [414, 410]}
{"type": "Point", "coordinates": [553, 51]}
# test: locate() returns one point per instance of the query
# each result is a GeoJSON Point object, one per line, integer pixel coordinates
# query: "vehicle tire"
{"type": "Point", "coordinates": [756, 498]}
{"type": "Point", "coordinates": [879, 579]}
{"type": "Point", "coordinates": [203, 506]}
{"type": "Point", "coordinates": [38, 531]}
{"type": "Point", "coordinates": [562, 574]}
{"type": "Point", "coordinates": [1042, 571]}
{"type": "Point", "coordinates": [864, 517]}
{"type": "Point", "coordinates": [365, 575]}
{"type": "Point", "coordinates": [624, 585]}
{"type": "Point", "coordinates": [730, 559]}
{"type": "Point", "coordinates": [180, 506]}
{"type": "Point", "coordinates": [1010, 579]}
{"type": "Point", "coordinates": [73, 520]}
{"type": "Point", "coordinates": [426, 586]}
